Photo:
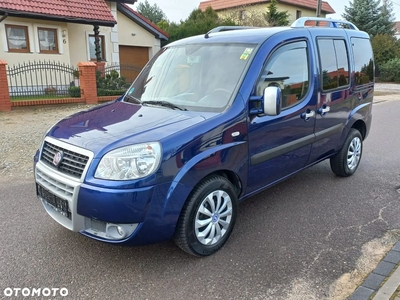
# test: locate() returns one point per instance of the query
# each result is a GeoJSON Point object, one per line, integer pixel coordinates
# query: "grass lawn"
{"type": "Point", "coordinates": [38, 97]}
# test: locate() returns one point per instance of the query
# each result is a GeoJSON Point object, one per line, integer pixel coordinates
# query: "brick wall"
{"type": "Point", "coordinates": [5, 103]}
{"type": "Point", "coordinates": [87, 78]}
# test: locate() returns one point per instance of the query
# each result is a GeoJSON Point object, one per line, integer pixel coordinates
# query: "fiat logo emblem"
{"type": "Point", "coordinates": [58, 158]}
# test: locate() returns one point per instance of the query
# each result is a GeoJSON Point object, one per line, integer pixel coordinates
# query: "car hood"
{"type": "Point", "coordinates": [118, 124]}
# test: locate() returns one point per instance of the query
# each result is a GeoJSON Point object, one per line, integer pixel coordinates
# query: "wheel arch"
{"type": "Point", "coordinates": [361, 127]}
{"type": "Point", "coordinates": [232, 177]}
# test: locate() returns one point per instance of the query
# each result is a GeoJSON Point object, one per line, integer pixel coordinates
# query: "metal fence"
{"type": "Point", "coordinates": [42, 80]}
{"type": "Point", "coordinates": [127, 71]}
{"type": "Point", "coordinates": [116, 79]}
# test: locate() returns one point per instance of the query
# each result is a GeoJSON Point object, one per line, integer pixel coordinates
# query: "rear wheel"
{"type": "Point", "coordinates": [208, 217]}
{"type": "Point", "coordinates": [347, 160]}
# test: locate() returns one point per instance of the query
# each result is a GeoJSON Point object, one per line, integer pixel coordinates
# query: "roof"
{"type": "Point", "coordinates": [75, 11]}
{"type": "Point", "coordinates": [246, 36]}
{"type": "Point", "coordinates": [142, 21]}
{"type": "Point", "coordinates": [224, 4]}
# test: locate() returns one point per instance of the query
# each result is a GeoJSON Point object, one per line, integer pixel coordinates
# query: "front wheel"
{"type": "Point", "coordinates": [347, 160]}
{"type": "Point", "coordinates": [208, 217]}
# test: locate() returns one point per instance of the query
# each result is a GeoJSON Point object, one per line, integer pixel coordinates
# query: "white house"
{"type": "Point", "coordinates": [63, 31]}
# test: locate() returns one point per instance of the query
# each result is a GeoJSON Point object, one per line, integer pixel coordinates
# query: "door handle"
{"type": "Point", "coordinates": [308, 114]}
{"type": "Point", "coordinates": [324, 109]}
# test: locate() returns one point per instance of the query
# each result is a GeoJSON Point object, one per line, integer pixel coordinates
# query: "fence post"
{"type": "Point", "coordinates": [5, 103]}
{"type": "Point", "coordinates": [87, 80]}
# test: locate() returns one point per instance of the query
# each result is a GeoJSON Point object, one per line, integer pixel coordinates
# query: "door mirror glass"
{"type": "Point", "coordinates": [272, 101]}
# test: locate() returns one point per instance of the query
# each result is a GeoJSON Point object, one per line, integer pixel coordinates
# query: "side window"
{"type": "Point", "coordinates": [17, 38]}
{"type": "Point", "coordinates": [287, 69]}
{"type": "Point", "coordinates": [334, 62]}
{"type": "Point", "coordinates": [363, 61]}
{"type": "Point", "coordinates": [48, 42]}
{"type": "Point", "coordinates": [92, 47]}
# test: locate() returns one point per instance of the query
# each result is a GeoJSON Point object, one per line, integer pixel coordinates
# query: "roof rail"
{"type": "Point", "coordinates": [301, 22]}
{"type": "Point", "coordinates": [227, 28]}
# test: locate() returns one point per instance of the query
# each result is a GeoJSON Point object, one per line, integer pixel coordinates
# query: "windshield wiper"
{"type": "Point", "coordinates": [164, 103]}
{"type": "Point", "coordinates": [131, 99]}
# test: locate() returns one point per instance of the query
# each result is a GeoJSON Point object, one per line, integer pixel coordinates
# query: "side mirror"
{"type": "Point", "coordinates": [272, 101]}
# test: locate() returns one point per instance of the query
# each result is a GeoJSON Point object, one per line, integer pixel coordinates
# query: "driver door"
{"type": "Point", "coordinates": [280, 145]}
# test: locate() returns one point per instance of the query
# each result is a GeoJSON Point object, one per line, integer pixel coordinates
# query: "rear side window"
{"type": "Point", "coordinates": [334, 61]}
{"type": "Point", "coordinates": [363, 61]}
{"type": "Point", "coordinates": [287, 69]}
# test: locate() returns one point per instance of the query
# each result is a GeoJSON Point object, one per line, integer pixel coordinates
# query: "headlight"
{"type": "Point", "coordinates": [130, 162]}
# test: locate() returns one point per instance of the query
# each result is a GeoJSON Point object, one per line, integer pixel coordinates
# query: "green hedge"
{"type": "Point", "coordinates": [74, 91]}
{"type": "Point", "coordinates": [390, 71]}
{"type": "Point", "coordinates": [106, 92]}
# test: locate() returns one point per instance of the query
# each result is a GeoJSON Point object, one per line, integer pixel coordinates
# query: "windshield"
{"type": "Point", "coordinates": [199, 77]}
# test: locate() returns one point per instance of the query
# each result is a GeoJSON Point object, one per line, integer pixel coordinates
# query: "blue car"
{"type": "Point", "coordinates": [210, 121]}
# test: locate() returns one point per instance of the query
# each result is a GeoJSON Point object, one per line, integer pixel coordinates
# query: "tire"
{"type": "Point", "coordinates": [347, 160]}
{"type": "Point", "coordinates": [208, 217]}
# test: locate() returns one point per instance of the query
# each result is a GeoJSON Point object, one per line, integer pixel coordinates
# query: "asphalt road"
{"type": "Point", "coordinates": [291, 241]}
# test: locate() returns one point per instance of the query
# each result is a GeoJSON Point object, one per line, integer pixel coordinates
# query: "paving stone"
{"type": "Point", "coordinates": [397, 247]}
{"type": "Point", "coordinates": [373, 281]}
{"type": "Point", "coordinates": [384, 268]}
{"type": "Point", "coordinates": [361, 293]}
{"type": "Point", "coordinates": [393, 257]}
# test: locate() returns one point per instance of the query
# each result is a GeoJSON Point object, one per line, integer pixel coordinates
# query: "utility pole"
{"type": "Point", "coordinates": [319, 5]}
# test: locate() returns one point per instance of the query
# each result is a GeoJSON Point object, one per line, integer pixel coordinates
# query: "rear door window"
{"type": "Point", "coordinates": [363, 61]}
{"type": "Point", "coordinates": [334, 62]}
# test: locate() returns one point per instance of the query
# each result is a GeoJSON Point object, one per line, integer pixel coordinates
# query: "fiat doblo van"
{"type": "Point", "coordinates": [210, 121]}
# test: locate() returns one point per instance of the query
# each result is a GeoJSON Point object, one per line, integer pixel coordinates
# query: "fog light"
{"type": "Point", "coordinates": [115, 232]}
{"type": "Point", "coordinates": [109, 230]}
{"type": "Point", "coordinates": [120, 231]}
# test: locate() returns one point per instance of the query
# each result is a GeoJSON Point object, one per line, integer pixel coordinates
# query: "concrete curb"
{"type": "Point", "coordinates": [384, 281]}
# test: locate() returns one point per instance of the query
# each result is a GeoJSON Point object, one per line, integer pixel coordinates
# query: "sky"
{"type": "Point", "coordinates": [177, 10]}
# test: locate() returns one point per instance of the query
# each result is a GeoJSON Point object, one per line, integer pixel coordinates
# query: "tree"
{"type": "Point", "coordinates": [385, 48]}
{"type": "Point", "coordinates": [388, 18]}
{"type": "Point", "coordinates": [152, 12]}
{"type": "Point", "coordinates": [198, 22]}
{"type": "Point", "coordinates": [370, 16]}
{"type": "Point", "coordinates": [275, 17]}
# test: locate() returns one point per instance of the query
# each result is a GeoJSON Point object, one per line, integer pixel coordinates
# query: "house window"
{"type": "Point", "coordinates": [298, 14]}
{"type": "Point", "coordinates": [92, 49]}
{"type": "Point", "coordinates": [17, 38]}
{"type": "Point", "coordinates": [48, 40]}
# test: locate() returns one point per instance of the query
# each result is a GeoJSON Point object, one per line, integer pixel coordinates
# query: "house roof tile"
{"type": "Point", "coordinates": [224, 4]}
{"type": "Point", "coordinates": [86, 11]}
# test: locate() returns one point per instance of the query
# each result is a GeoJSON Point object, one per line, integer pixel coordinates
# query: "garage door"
{"type": "Point", "coordinates": [132, 60]}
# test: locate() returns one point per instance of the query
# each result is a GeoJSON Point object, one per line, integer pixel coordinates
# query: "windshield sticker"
{"type": "Point", "coordinates": [246, 53]}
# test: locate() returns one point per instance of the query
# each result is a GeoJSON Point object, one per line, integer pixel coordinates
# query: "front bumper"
{"type": "Point", "coordinates": [123, 216]}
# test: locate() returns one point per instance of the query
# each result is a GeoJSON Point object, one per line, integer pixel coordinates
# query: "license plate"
{"type": "Point", "coordinates": [55, 202]}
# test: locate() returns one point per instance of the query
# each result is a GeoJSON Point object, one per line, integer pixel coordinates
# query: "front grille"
{"type": "Point", "coordinates": [72, 162]}
{"type": "Point", "coordinates": [55, 186]}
